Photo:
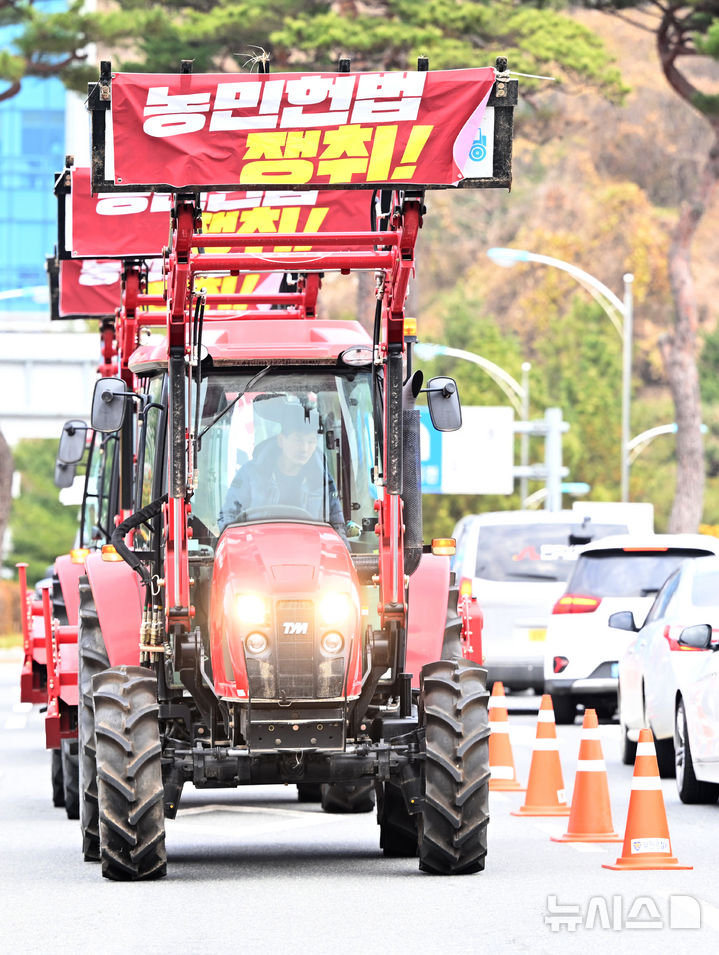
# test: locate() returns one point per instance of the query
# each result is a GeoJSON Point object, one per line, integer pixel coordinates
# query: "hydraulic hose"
{"type": "Point", "coordinates": [143, 516]}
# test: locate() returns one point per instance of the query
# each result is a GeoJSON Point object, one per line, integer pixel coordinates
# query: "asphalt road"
{"type": "Point", "coordinates": [255, 870]}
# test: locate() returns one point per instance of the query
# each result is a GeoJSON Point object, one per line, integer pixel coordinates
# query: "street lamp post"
{"type": "Point", "coordinates": [620, 314]}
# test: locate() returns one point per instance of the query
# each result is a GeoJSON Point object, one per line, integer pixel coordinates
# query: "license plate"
{"type": "Point", "coordinates": [538, 634]}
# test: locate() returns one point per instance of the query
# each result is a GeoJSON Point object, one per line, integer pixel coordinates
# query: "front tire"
{"type": "Point", "coordinates": [348, 797]}
{"type": "Point", "coordinates": [690, 789]}
{"type": "Point", "coordinates": [309, 792]}
{"type": "Point", "coordinates": [92, 659]}
{"type": "Point", "coordinates": [58, 788]}
{"type": "Point", "coordinates": [69, 757]}
{"type": "Point", "coordinates": [452, 826]}
{"type": "Point", "coordinates": [129, 775]}
{"type": "Point", "coordinates": [397, 828]}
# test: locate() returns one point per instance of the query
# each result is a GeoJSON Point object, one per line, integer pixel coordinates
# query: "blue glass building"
{"type": "Point", "coordinates": [32, 149]}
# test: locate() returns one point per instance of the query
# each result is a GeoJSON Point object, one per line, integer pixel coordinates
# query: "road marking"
{"type": "Point", "coordinates": [250, 810]}
{"type": "Point", "coordinates": [552, 829]}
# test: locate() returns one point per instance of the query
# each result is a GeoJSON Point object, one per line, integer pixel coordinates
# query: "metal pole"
{"type": "Point", "coordinates": [524, 440]}
{"type": "Point", "coordinates": [628, 332]}
{"type": "Point", "coordinates": [553, 458]}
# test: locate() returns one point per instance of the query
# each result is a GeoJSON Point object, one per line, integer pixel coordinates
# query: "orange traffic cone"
{"type": "Point", "coordinates": [646, 839]}
{"type": "Point", "coordinates": [501, 760]}
{"type": "Point", "coordinates": [590, 818]}
{"type": "Point", "coordinates": [545, 787]}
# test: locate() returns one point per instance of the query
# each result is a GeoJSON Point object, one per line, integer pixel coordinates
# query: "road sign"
{"type": "Point", "coordinates": [477, 459]}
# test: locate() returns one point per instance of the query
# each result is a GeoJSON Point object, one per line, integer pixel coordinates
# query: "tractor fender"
{"type": "Point", "coordinates": [428, 595]}
{"type": "Point", "coordinates": [116, 592]}
{"type": "Point", "coordinates": [69, 574]}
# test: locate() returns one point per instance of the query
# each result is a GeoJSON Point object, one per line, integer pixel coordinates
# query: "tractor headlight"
{"type": "Point", "coordinates": [256, 643]}
{"type": "Point", "coordinates": [332, 643]}
{"type": "Point", "coordinates": [251, 609]}
{"type": "Point", "coordinates": [334, 609]}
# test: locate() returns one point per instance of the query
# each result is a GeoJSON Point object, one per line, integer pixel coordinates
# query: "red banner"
{"type": "Point", "coordinates": [88, 288]}
{"type": "Point", "coordinates": [137, 224]}
{"type": "Point", "coordinates": [288, 129]}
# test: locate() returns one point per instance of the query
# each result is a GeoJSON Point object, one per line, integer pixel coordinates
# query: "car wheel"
{"type": "Point", "coordinates": [690, 789]}
{"type": "Point", "coordinates": [565, 710]}
{"type": "Point", "coordinates": [665, 757]}
{"type": "Point", "coordinates": [628, 748]}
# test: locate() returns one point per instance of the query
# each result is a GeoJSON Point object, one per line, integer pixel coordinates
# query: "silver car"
{"type": "Point", "coordinates": [516, 563]}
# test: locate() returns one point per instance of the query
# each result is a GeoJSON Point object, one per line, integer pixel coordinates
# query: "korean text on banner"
{"type": "Point", "coordinates": [321, 129]}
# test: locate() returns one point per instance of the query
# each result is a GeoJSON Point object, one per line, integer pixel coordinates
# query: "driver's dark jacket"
{"type": "Point", "coordinates": [256, 484]}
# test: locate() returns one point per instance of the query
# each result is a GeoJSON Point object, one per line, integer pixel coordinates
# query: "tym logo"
{"type": "Point", "coordinates": [290, 628]}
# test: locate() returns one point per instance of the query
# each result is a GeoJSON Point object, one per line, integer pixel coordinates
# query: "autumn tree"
{"type": "Point", "coordinates": [686, 33]}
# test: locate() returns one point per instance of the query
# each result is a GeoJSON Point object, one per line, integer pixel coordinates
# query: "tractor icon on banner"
{"type": "Point", "coordinates": [478, 149]}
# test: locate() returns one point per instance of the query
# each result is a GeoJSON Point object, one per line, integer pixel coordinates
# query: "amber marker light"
{"type": "Point", "coordinates": [109, 553]}
{"type": "Point", "coordinates": [78, 554]}
{"type": "Point", "coordinates": [444, 546]}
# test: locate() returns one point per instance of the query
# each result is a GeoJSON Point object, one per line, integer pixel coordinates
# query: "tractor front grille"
{"type": "Point", "coordinates": [295, 649]}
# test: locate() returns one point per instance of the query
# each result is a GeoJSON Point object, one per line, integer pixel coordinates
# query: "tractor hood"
{"type": "Point", "coordinates": [285, 613]}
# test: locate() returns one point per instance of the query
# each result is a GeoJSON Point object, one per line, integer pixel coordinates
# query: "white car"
{"type": "Point", "coordinates": [655, 665]}
{"type": "Point", "coordinates": [696, 733]}
{"type": "Point", "coordinates": [516, 564]}
{"type": "Point", "coordinates": [582, 651]}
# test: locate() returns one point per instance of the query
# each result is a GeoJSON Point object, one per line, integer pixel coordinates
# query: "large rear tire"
{"type": "Point", "coordinates": [397, 828]}
{"type": "Point", "coordinates": [348, 797]}
{"type": "Point", "coordinates": [58, 788]}
{"type": "Point", "coordinates": [69, 757]}
{"type": "Point", "coordinates": [690, 789]}
{"type": "Point", "coordinates": [92, 659]}
{"type": "Point", "coordinates": [129, 775]}
{"type": "Point", "coordinates": [452, 827]}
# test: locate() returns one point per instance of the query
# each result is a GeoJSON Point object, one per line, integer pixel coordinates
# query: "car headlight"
{"type": "Point", "coordinates": [251, 609]}
{"type": "Point", "coordinates": [335, 609]}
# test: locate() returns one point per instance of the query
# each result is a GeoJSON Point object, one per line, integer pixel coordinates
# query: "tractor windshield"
{"type": "Point", "coordinates": [296, 444]}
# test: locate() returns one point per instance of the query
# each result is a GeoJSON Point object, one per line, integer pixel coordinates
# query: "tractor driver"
{"type": "Point", "coordinates": [286, 470]}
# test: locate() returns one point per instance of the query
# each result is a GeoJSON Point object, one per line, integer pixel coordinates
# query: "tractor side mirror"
{"type": "Point", "coordinates": [108, 404]}
{"type": "Point", "coordinates": [64, 474]}
{"type": "Point", "coordinates": [443, 403]}
{"type": "Point", "coordinates": [72, 442]}
{"type": "Point", "coordinates": [699, 636]}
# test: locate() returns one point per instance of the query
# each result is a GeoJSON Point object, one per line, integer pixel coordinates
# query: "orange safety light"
{"type": "Point", "coordinates": [465, 587]}
{"type": "Point", "coordinates": [410, 328]}
{"type": "Point", "coordinates": [109, 553]}
{"type": "Point", "coordinates": [78, 554]}
{"type": "Point", "coordinates": [444, 546]}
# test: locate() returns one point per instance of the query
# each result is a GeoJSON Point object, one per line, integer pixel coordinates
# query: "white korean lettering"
{"type": "Point", "coordinates": [97, 272]}
{"type": "Point", "coordinates": [172, 115]}
{"type": "Point", "coordinates": [119, 205]}
{"type": "Point", "coordinates": [161, 202]}
{"type": "Point", "coordinates": [312, 91]}
{"type": "Point", "coordinates": [232, 96]}
{"type": "Point", "coordinates": [388, 97]}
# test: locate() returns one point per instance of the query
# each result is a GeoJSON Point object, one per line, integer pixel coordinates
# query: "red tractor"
{"type": "Point", "coordinates": [276, 600]}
